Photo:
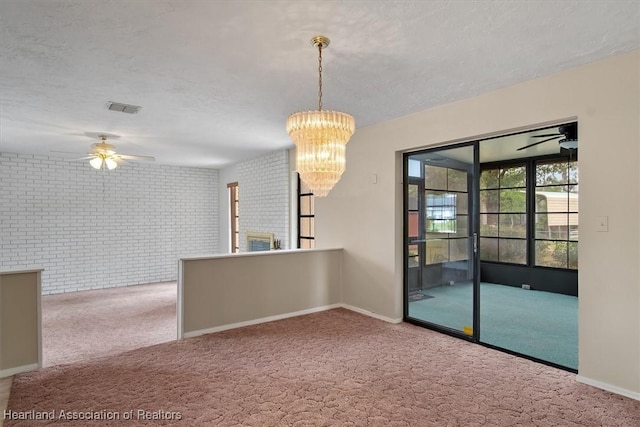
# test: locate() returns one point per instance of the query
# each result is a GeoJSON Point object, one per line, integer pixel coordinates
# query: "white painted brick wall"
{"type": "Point", "coordinates": [92, 229]}
{"type": "Point", "coordinates": [264, 196]}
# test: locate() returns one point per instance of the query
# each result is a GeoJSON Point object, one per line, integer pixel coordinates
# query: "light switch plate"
{"type": "Point", "coordinates": [602, 223]}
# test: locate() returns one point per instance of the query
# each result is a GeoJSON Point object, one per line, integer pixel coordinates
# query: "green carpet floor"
{"type": "Point", "coordinates": [535, 323]}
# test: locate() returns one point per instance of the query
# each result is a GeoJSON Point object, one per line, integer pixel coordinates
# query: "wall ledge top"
{"type": "Point", "coordinates": [261, 253]}
{"type": "Point", "coordinates": [35, 270]}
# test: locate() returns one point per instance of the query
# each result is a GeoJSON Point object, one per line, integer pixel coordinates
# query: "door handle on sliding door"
{"type": "Point", "coordinates": [418, 241]}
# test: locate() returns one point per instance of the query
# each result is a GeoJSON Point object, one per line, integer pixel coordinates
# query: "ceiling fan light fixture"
{"type": "Point", "coordinates": [111, 164]}
{"type": "Point", "coordinates": [570, 144]}
{"type": "Point", "coordinates": [96, 162]}
{"type": "Point", "coordinates": [320, 137]}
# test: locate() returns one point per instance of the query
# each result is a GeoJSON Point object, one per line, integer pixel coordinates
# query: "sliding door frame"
{"type": "Point", "coordinates": [473, 231]}
{"type": "Point", "coordinates": [474, 215]}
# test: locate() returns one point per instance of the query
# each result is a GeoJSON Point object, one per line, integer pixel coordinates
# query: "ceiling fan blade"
{"type": "Point", "coordinates": [132, 157]}
{"type": "Point", "coordinates": [83, 158]}
{"type": "Point", "coordinates": [67, 152]}
{"type": "Point", "coordinates": [546, 134]}
{"type": "Point", "coordinates": [537, 143]}
{"type": "Point", "coordinates": [119, 160]}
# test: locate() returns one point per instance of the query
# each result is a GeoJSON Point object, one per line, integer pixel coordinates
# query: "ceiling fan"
{"type": "Point", "coordinates": [103, 155]}
{"type": "Point", "coordinates": [568, 135]}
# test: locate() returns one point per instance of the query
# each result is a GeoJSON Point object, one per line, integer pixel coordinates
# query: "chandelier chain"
{"type": "Point", "coordinates": [319, 76]}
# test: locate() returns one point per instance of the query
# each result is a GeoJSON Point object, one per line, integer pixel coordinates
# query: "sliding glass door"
{"type": "Point", "coordinates": [491, 242]}
{"type": "Point", "coordinates": [441, 239]}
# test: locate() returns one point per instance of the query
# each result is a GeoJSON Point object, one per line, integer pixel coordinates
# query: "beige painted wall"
{"type": "Point", "coordinates": [19, 321]}
{"type": "Point", "coordinates": [366, 218]}
{"type": "Point", "coordinates": [222, 290]}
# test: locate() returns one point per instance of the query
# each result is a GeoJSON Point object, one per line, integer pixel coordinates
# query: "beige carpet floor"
{"type": "Point", "coordinates": [335, 368]}
{"type": "Point", "coordinates": [82, 325]}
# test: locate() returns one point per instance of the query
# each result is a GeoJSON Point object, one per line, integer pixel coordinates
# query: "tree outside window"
{"type": "Point", "coordinates": [503, 214]}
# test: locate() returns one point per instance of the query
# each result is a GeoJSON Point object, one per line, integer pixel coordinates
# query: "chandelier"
{"type": "Point", "coordinates": [321, 138]}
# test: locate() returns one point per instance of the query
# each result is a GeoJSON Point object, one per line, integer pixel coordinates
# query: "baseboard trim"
{"type": "Point", "coordinates": [286, 316]}
{"type": "Point", "coordinates": [608, 387]}
{"type": "Point", "coordinates": [260, 320]}
{"type": "Point", "coordinates": [18, 370]}
{"type": "Point", "coordinates": [370, 313]}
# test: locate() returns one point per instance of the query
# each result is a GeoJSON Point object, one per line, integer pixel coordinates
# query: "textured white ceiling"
{"type": "Point", "coordinates": [217, 79]}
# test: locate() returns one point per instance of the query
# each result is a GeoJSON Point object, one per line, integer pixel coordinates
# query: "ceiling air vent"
{"type": "Point", "coordinates": [123, 108]}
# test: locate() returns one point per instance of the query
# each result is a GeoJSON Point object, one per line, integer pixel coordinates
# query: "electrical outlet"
{"type": "Point", "coordinates": [526, 287]}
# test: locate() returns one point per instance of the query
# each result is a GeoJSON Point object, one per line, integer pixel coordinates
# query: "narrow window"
{"type": "Point", "coordinates": [503, 214]}
{"type": "Point", "coordinates": [556, 223]}
{"type": "Point", "coordinates": [234, 219]}
{"type": "Point", "coordinates": [446, 222]}
{"type": "Point", "coordinates": [306, 217]}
